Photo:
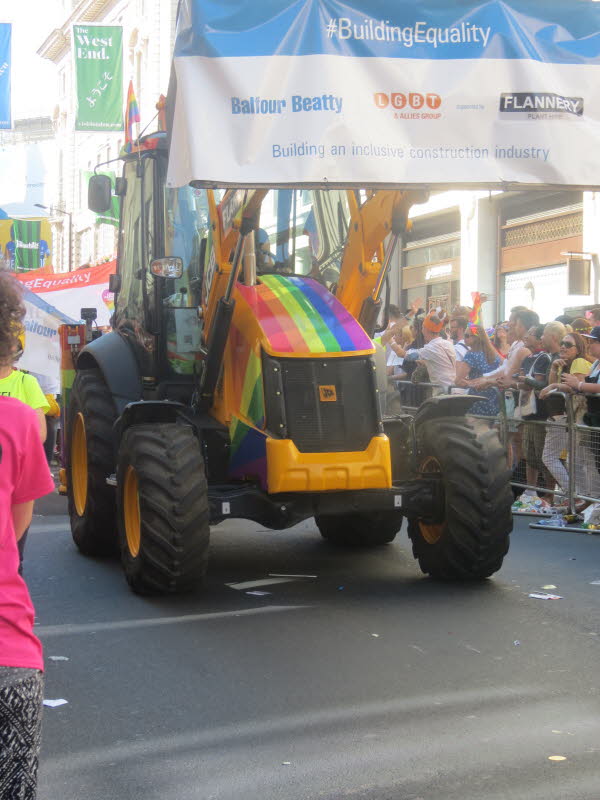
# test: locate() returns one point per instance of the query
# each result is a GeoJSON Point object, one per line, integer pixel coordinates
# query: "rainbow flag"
{"type": "Point", "coordinates": [475, 314]}
{"type": "Point", "coordinates": [132, 114]}
{"type": "Point", "coordinates": [161, 107]}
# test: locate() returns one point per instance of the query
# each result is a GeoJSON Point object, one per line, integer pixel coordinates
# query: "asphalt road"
{"type": "Point", "coordinates": [368, 681]}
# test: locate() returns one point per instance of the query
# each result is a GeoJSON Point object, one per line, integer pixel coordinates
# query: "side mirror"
{"type": "Point", "coordinates": [120, 187]}
{"type": "Point", "coordinates": [99, 193]}
{"type": "Point", "coordinates": [167, 267]}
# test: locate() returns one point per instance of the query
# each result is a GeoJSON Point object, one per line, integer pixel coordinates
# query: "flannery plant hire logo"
{"type": "Point", "coordinates": [540, 102]}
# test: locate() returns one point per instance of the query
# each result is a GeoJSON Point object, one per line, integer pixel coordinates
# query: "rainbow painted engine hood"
{"type": "Point", "coordinates": [284, 316]}
{"type": "Point", "coordinates": [299, 317]}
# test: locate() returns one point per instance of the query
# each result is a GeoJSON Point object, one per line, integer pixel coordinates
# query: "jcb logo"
{"type": "Point", "coordinates": [414, 100]}
{"type": "Point", "coordinates": [327, 394]}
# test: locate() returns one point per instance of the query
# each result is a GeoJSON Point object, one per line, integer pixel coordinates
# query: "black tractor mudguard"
{"type": "Point", "coordinates": [445, 405]}
{"type": "Point", "coordinates": [114, 357]}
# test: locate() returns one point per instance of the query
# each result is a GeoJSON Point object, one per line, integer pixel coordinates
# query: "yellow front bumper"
{"type": "Point", "coordinates": [289, 470]}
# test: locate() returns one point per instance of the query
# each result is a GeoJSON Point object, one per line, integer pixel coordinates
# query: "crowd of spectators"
{"type": "Point", "coordinates": [522, 364]}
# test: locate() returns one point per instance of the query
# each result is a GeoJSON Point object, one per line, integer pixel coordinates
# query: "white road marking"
{"type": "Point", "coordinates": [255, 584]}
{"type": "Point", "coordinates": [45, 631]}
{"type": "Point", "coordinates": [51, 527]}
{"type": "Point", "coordinates": [283, 575]}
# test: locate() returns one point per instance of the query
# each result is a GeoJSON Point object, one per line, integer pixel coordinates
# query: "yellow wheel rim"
{"type": "Point", "coordinates": [431, 532]}
{"type": "Point", "coordinates": [131, 511]}
{"type": "Point", "coordinates": [79, 465]}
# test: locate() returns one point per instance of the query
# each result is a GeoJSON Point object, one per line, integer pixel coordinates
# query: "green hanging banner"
{"type": "Point", "coordinates": [27, 234]}
{"type": "Point", "coordinates": [98, 54]}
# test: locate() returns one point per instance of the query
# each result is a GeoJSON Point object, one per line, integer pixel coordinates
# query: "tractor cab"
{"type": "Point", "coordinates": [168, 256]}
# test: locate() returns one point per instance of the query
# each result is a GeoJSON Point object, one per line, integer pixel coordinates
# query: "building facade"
{"type": "Point", "coordinates": [536, 248]}
{"type": "Point", "coordinates": [148, 36]}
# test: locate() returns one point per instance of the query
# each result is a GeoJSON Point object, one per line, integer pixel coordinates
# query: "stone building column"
{"type": "Point", "coordinates": [591, 238]}
{"type": "Point", "coordinates": [479, 250]}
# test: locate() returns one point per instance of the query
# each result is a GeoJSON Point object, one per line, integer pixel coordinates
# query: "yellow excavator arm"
{"type": "Point", "coordinates": [363, 267]}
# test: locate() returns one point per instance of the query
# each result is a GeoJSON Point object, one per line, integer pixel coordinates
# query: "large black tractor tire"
{"type": "Point", "coordinates": [472, 538]}
{"type": "Point", "coordinates": [163, 513]}
{"type": "Point", "coordinates": [360, 529]}
{"type": "Point", "coordinates": [90, 460]}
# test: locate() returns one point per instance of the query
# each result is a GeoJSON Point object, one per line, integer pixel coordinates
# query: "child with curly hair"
{"type": "Point", "coordinates": [24, 476]}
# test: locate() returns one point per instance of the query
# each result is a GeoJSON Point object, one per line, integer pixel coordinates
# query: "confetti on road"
{"type": "Point", "coordinates": [545, 596]}
{"type": "Point", "coordinates": [286, 763]}
{"type": "Point", "coordinates": [516, 642]}
{"type": "Point", "coordinates": [55, 703]}
{"type": "Point", "coordinates": [472, 649]}
{"type": "Point", "coordinates": [376, 635]}
{"type": "Point", "coordinates": [549, 586]}
{"type": "Point", "coordinates": [557, 758]}
{"type": "Point", "coordinates": [57, 658]}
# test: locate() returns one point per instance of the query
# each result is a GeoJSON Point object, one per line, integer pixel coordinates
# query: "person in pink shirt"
{"type": "Point", "coordinates": [24, 476]}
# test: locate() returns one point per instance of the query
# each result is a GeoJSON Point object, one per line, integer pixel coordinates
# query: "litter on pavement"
{"type": "Point", "coordinates": [55, 703]}
{"type": "Point", "coordinates": [545, 596]}
{"type": "Point", "coordinates": [259, 594]}
{"type": "Point", "coordinates": [549, 586]}
{"type": "Point", "coordinates": [57, 658]}
{"type": "Point", "coordinates": [557, 758]}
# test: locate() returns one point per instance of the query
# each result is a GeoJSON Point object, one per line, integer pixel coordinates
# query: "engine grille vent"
{"type": "Point", "coordinates": [330, 404]}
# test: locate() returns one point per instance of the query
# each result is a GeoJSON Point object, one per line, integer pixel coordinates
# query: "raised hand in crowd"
{"type": "Point", "coordinates": [416, 305]}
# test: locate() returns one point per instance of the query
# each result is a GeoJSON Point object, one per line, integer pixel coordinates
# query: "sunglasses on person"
{"type": "Point", "coordinates": [564, 343]}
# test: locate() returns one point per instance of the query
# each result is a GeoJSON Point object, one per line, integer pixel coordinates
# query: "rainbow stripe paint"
{"type": "Point", "coordinates": [247, 455]}
{"type": "Point", "coordinates": [299, 316]}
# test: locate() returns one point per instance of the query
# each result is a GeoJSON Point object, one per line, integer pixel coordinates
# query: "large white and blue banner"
{"type": "Point", "coordinates": [5, 62]}
{"type": "Point", "coordinates": [481, 94]}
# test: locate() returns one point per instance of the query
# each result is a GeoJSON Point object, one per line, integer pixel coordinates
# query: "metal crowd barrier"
{"type": "Point", "coordinates": [563, 454]}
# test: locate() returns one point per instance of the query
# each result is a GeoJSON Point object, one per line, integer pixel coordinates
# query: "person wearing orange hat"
{"type": "Point", "coordinates": [438, 354]}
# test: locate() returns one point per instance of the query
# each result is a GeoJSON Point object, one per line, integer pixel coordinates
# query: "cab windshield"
{"type": "Point", "coordinates": [303, 232]}
{"type": "Point", "coordinates": [186, 226]}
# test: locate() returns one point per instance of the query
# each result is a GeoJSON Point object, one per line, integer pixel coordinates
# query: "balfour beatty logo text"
{"type": "Point", "coordinates": [526, 102]}
{"type": "Point", "coordinates": [31, 326]}
{"type": "Point", "coordinates": [277, 105]}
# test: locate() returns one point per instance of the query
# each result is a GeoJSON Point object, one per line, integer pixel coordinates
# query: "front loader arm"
{"type": "Point", "coordinates": [362, 273]}
{"type": "Point", "coordinates": [226, 221]}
